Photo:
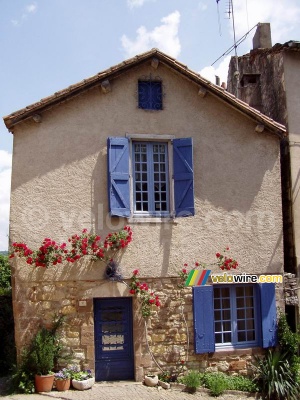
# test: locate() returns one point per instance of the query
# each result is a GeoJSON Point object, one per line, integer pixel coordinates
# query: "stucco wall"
{"type": "Point", "coordinates": [59, 179]}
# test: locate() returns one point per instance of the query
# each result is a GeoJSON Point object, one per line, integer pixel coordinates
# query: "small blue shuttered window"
{"type": "Point", "coordinates": [210, 330]}
{"type": "Point", "coordinates": [119, 174]}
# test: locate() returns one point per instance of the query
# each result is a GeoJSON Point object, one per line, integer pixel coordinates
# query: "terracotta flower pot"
{"type": "Point", "coordinates": [62, 384]}
{"type": "Point", "coordinates": [43, 383]}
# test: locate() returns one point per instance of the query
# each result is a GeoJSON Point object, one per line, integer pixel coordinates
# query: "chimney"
{"type": "Point", "coordinates": [262, 37]}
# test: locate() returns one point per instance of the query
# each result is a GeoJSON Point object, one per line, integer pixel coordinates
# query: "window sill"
{"type": "Point", "coordinates": [238, 350]}
{"type": "Point", "coordinates": [152, 220]}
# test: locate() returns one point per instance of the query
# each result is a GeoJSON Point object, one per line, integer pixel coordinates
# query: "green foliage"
{"type": "Point", "coordinates": [39, 358]}
{"type": "Point", "coordinates": [42, 352]}
{"type": "Point", "coordinates": [289, 344]}
{"type": "Point", "coordinates": [5, 276]}
{"type": "Point", "coordinates": [7, 348]}
{"type": "Point", "coordinates": [192, 380]}
{"type": "Point", "coordinates": [241, 383]}
{"type": "Point", "coordinates": [275, 378]}
{"type": "Point", "coordinates": [288, 340]}
{"type": "Point", "coordinates": [216, 383]}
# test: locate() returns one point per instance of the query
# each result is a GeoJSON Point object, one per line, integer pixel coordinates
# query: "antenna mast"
{"type": "Point", "coordinates": [236, 72]}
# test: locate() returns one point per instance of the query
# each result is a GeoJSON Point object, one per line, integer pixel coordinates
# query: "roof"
{"type": "Point", "coordinates": [64, 95]}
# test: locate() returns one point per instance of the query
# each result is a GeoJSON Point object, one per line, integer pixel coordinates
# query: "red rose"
{"type": "Point", "coordinates": [135, 272]}
{"type": "Point", "coordinates": [197, 264]}
{"type": "Point", "coordinates": [184, 270]}
{"type": "Point", "coordinates": [132, 291]}
{"type": "Point", "coordinates": [218, 255]}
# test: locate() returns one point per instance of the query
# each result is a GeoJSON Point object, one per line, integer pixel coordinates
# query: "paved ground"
{"type": "Point", "coordinates": [124, 391]}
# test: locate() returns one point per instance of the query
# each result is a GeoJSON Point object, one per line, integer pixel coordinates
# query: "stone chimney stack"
{"type": "Point", "coordinates": [262, 38]}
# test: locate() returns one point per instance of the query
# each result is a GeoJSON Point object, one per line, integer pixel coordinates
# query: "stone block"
{"type": "Point", "coordinates": [90, 353]}
{"type": "Point", "coordinates": [68, 310]}
{"type": "Point", "coordinates": [223, 366]}
{"type": "Point", "coordinates": [237, 365]}
{"type": "Point", "coordinates": [158, 338]}
{"type": "Point", "coordinates": [87, 335]}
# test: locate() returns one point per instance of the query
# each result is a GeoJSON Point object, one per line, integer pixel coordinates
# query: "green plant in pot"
{"type": "Point", "coordinates": [38, 360]}
{"type": "Point", "coordinates": [41, 357]}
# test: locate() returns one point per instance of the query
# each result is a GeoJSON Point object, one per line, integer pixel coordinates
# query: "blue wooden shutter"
{"type": "Point", "coordinates": [268, 314]}
{"type": "Point", "coordinates": [118, 176]}
{"type": "Point", "coordinates": [183, 177]}
{"type": "Point", "coordinates": [204, 333]}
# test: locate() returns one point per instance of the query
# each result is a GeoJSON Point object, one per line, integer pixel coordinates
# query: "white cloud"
{"type": "Point", "coordinates": [29, 9]}
{"type": "Point", "coordinates": [136, 3]}
{"type": "Point", "coordinates": [5, 177]}
{"type": "Point", "coordinates": [283, 15]}
{"type": "Point", "coordinates": [221, 70]}
{"type": "Point", "coordinates": [164, 37]}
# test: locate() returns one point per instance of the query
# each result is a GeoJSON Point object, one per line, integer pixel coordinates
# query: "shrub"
{"type": "Point", "coordinates": [216, 383]}
{"type": "Point", "coordinates": [192, 380]}
{"type": "Point", "coordinates": [241, 383]}
{"type": "Point", "coordinates": [7, 348]}
{"type": "Point", "coordinates": [39, 358]}
{"type": "Point", "coordinates": [275, 378]}
{"type": "Point", "coordinates": [289, 344]}
{"type": "Point", "coordinates": [5, 276]}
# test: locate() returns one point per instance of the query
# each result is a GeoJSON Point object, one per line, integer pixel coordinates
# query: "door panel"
{"type": "Point", "coordinates": [113, 339]}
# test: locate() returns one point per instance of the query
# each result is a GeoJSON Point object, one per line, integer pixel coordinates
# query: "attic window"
{"type": "Point", "coordinates": [250, 79]}
{"type": "Point", "coordinates": [150, 94]}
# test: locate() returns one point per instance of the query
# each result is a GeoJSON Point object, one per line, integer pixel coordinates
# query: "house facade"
{"type": "Point", "coordinates": [191, 169]}
{"type": "Point", "coordinates": [269, 80]}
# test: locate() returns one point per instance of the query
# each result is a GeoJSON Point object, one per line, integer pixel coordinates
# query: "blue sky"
{"type": "Point", "coordinates": [47, 45]}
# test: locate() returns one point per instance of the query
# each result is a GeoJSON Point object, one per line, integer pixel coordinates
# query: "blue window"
{"type": "Point", "coordinates": [150, 95]}
{"type": "Point", "coordinates": [146, 188]}
{"type": "Point", "coordinates": [237, 316]}
{"type": "Point", "coordinates": [150, 178]}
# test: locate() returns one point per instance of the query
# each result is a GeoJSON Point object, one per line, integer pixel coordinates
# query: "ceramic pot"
{"type": "Point", "coordinates": [43, 383]}
{"type": "Point", "coordinates": [83, 385]}
{"type": "Point", "coordinates": [151, 380]}
{"type": "Point", "coordinates": [62, 384]}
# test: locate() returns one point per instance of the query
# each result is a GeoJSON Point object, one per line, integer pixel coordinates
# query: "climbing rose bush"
{"type": "Point", "coordinates": [224, 262]}
{"type": "Point", "coordinates": [85, 244]}
{"type": "Point", "coordinates": [146, 296]}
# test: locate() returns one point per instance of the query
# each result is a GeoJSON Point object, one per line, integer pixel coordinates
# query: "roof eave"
{"type": "Point", "coordinates": [113, 72]}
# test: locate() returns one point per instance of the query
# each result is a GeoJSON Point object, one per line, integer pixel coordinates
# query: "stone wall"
{"type": "Point", "coordinates": [169, 333]}
{"type": "Point", "coordinates": [291, 289]}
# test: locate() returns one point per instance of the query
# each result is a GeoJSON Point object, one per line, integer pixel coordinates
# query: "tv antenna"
{"type": "Point", "coordinates": [230, 13]}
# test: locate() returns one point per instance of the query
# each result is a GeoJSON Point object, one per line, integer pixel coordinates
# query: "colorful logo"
{"type": "Point", "coordinates": [197, 278]}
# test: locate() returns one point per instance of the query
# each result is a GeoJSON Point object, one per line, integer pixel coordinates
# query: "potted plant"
{"type": "Point", "coordinates": [41, 358]}
{"type": "Point", "coordinates": [63, 380]}
{"type": "Point", "coordinates": [83, 380]}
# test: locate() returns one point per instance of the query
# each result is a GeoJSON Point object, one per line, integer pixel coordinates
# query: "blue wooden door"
{"type": "Point", "coordinates": [113, 339]}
